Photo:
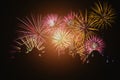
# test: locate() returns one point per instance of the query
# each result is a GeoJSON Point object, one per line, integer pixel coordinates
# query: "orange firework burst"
{"type": "Point", "coordinates": [84, 23]}
{"type": "Point", "coordinates": [102, 15]}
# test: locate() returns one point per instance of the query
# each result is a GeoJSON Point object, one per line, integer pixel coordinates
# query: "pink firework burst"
{"type": "Point", "coordinates": [94, 43]}
{"type": "Point", "coordinates": [52, 20]}
{"type": "Point", "coordinates": [69, 19]}
{"type": "Point", "coordinates": [32, 26]}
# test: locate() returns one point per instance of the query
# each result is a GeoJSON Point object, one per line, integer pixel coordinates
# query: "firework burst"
{"type": "Point", "coordinates": [29, 43]}
{"type": "Point", "coordinates": [102, 14]}
{"type": "Point", "coordinates": [84, 23]}
{"type": "Point", "coordinates": [70, 19]}
{"type": "Point", "coordinates": [52, 20]}
{"type": "Point", "coordinates": [33, 34]}
{"type": "Point", "coordinates": [33, 27]}
{"type": "Point", "coordinates": [94, 43]}
{"type": "Point", "coordinates": [61, 39]}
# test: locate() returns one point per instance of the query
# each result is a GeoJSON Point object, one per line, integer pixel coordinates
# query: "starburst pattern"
{"type": "Point", "coordinates": [102, 14]}
{"type": "Point", "coordinates": [52, 20]}
{"type": "Point", "coordinates": [33, 27]}
{"type": "Point", "coordinates": [69, 19]}
{"type": "Point", "coordinates": [62, 39]}
{"type": "Point", "coordinates": [84, 23]}
{"type": "Point", "coordinates": [94, 43]}
{"type": "Point", "coordinates": [74, 34]}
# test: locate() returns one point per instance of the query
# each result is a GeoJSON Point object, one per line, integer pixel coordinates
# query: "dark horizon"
{"type": "Point", "coordinates": [28, 66]}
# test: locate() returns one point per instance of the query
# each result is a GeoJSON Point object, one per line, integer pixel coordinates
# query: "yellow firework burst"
{"type": "Point", "coordinates": [30, 43]}
{"type": "Point", "coordinates": [102, 15]}
{"type": "Point", "coordinates": [62, 39]}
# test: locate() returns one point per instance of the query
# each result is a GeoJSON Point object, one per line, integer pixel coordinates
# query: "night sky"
{"type": "Point", "coordinates": [52, 67]}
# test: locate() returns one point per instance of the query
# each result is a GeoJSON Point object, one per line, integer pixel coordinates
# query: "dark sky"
{"type": "Point", "coordinates": [31, 67]}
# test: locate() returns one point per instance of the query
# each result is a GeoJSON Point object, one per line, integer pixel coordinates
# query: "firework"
{"type": "Point", "coordinates": [52, 20]}
{"type": "Point", "coordinates": [33, 27]}
{"type": "Point", "coordinates": [77, 41]}
{"type": "Point", "coordinates": [94, 43]}
{"type": "Point", "coordinates": [70, 19]}
{"type": "Point", "coordinates": [61, 39]}
{"type": "Point", "coordinates": [84, 23]}
{"type": "Point", "coordinates": [29, 43]}
{"type": "Point", "coordinates": [102, 14]}
{"type": "Point", "coordinates": [70, 24]}
{"type": "Point", "coordinates": [72, 34]}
